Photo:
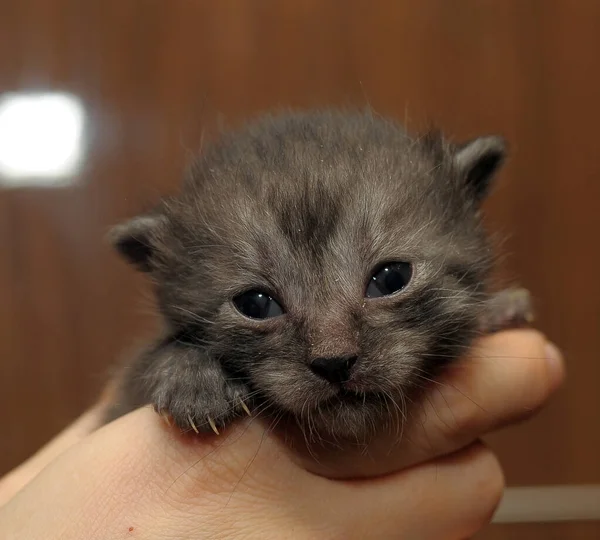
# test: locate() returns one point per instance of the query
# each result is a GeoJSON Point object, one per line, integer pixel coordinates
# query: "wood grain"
{"type": "Point", "coordinates": [157, 76]}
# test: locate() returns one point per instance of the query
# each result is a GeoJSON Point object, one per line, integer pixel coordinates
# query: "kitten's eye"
{"type": "Point", "coordinates": [257, 305]}
{"type": "Point", "coordinates": [388, 279]}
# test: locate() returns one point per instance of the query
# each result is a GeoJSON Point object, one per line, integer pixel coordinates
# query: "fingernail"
{"type": "Point", "coordinates": [555, 359]}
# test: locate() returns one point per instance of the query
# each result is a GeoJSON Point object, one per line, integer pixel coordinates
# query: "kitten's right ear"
{"type": "Point", "coordinates": [136, 239]}
{"type": "Point", "coordinates": [477, 162]}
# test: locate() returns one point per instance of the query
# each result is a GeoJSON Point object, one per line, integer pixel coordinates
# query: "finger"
{"type": "Point", "coordinates": [459, 492]}
{"type": "Point", "coordinates": [506, 378]}
{"type": "Point", "coordinates": [15, 480]}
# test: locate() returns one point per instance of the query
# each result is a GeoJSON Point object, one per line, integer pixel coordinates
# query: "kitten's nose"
{"type": "Point", "coordinates": [335, 369]}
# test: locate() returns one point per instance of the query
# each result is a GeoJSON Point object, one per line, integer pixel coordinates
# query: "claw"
{"type": "Point", "coordinates": [192, 424]}
{"type": "Point", "coordinates": [213, 425]}
{"type": "Point", "coordinates": [245, 407]}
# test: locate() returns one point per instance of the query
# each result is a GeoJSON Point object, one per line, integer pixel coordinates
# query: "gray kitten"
{"type": "Point", "coordinates": [315, 267]}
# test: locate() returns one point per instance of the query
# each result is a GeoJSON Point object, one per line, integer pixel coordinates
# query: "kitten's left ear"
{"type": "Point", "coordinates": [477, 161]}
{"type": "Point", "coordinates": [136, 239]}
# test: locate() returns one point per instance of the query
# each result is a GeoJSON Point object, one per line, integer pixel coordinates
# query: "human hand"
{"type": "Point", "coordinates": [137, 478]}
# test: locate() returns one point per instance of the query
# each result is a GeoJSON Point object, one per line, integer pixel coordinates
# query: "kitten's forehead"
{"type": "Point", "coordinates": [320, 194]}
{"type": "Point", "coordinates": [329, 210]}
{"type": "Point", "coordinates": [313, 230]}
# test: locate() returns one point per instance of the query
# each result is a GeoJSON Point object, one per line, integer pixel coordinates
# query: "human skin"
{"type": "Point", "coordinates": [139, 478]}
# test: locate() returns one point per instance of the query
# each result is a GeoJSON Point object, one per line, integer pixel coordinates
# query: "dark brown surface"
{"type": "Point", "coordinates": [541, 531]}
{"type": "Point", "coordinates": [154, 74]}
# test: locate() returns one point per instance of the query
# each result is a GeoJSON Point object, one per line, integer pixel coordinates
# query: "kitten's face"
{"type": "Point", "coordinates": [334, 269]}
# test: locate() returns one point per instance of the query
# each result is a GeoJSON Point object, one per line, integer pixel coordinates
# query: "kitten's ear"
{"type": "Point", "coordinates": [477, 162]}
{"type": "Point", "coordinates": [136, 239]}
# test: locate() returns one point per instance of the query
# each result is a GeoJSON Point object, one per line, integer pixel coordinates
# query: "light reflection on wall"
{"type": "Point", "coordinates": [41, 139]}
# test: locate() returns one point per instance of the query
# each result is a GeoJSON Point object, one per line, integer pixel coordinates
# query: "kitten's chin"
{"type": "Point", "coordinates": [351, 416]}
{"type": "Point", "coordinates": [340, 437]}
{"type": "Point", "coordinates": [336, 414]}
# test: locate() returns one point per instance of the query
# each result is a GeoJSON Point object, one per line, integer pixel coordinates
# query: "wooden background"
{"type": "Point", "coordinates": [154, 74]}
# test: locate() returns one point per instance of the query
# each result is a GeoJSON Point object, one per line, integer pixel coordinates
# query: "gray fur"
{"type": "Point", "coordinates": [305, 206]}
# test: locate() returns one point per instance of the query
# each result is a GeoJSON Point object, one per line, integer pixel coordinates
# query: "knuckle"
{"type": "Point", "coordinates": [492, 482]}
{"type": "Point", "coordinates": [488, 489]}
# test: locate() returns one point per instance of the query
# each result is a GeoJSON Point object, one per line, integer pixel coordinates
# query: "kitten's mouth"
{"type": "Point", "coordinates": [347, 396]}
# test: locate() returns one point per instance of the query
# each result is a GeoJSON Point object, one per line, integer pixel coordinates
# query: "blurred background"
{"type": "Point", "coordinates": [102, 102]}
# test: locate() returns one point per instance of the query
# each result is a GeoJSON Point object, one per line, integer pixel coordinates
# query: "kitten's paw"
{"type": "Point", "coordinates": [510, 308]}
{"type": "Point", "coordinates": [201, 405]}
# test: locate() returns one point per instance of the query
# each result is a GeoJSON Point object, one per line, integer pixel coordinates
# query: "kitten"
{"type": "Point", "coordinates": [313, 267]}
